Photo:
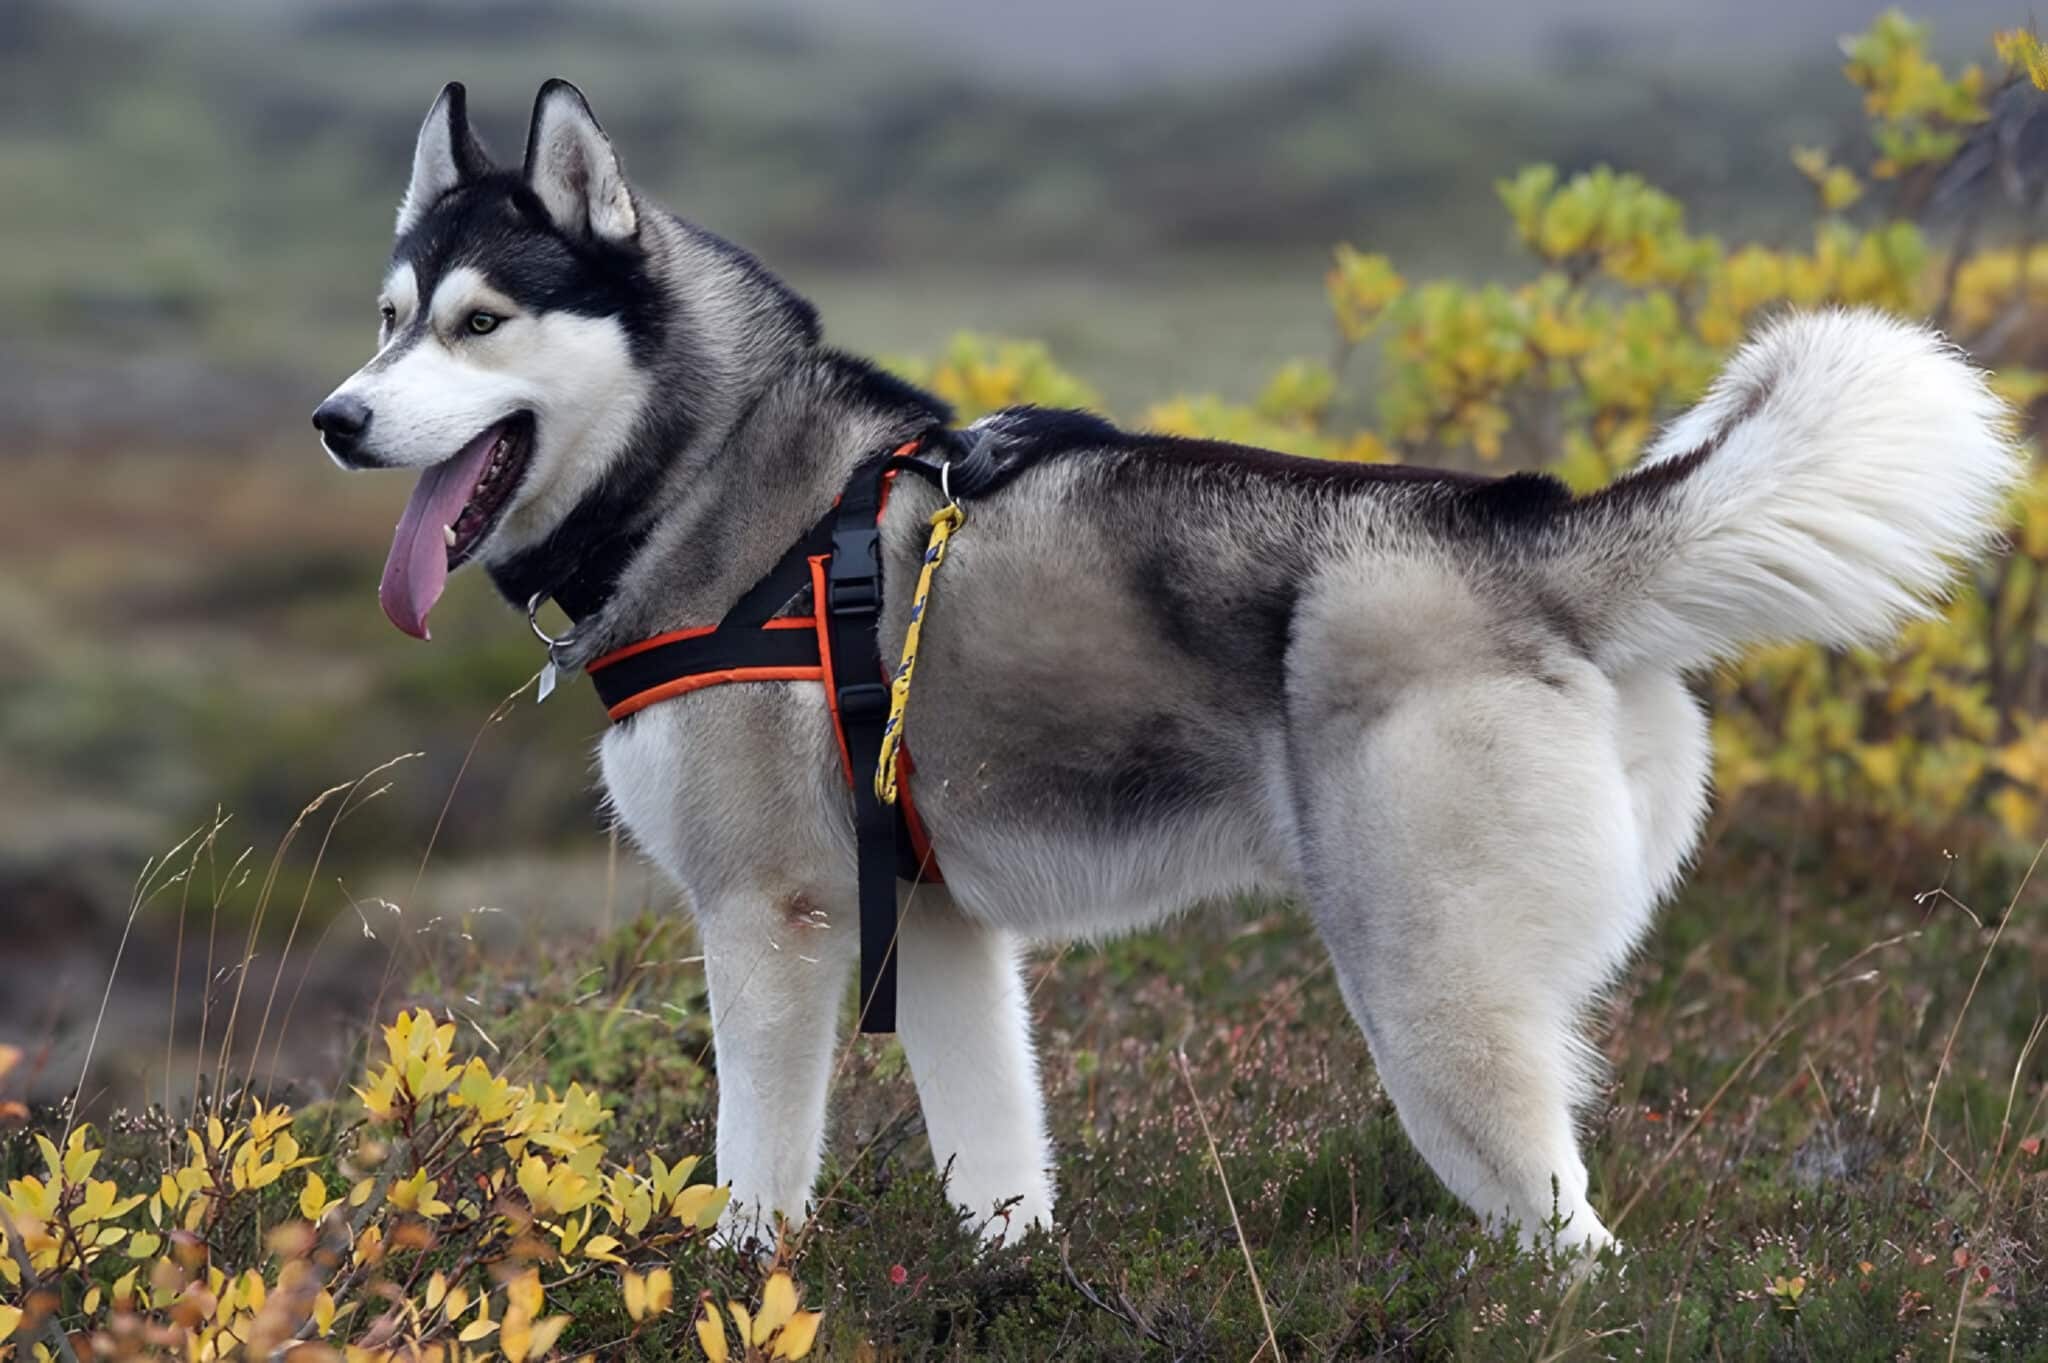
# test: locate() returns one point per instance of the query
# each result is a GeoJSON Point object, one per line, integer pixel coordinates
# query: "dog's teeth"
{"type": "Point", "coordinates": [448, 533]}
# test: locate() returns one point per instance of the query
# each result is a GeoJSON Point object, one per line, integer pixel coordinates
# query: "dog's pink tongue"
{"type": "Point", "coordinates": [418, 567]}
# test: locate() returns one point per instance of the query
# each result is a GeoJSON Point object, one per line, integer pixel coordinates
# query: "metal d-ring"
{"type": "Point", "coordinates": [533, 605]}
{"type": "Point", "coordinates": [946, 480]}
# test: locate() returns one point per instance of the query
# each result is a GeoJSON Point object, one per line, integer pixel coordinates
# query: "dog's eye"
{"type": "Point", "coordinates": [483, 323]}
{"type": "Point", "coordinates": [387, 314]}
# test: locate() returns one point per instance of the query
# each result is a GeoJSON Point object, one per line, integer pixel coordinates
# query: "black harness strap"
{"type": "Point", "coordinates": [624, 677]}
{"type": "Point", "coordinates": [764, 600]}
{"type": "Point", "coordinates": [853, 610]}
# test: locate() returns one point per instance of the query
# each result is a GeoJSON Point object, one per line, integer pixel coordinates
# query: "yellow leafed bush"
{"type": "Point", "coordinates": [457, 1215]}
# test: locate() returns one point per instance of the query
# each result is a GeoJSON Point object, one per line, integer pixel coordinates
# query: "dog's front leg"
{"type": "Point", "coordinates": [777, 980]}
{"type": "Point", "coordinates": [966, 1029]}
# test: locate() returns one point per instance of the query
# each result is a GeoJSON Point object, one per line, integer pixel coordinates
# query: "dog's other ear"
{"type": "Point", "coordinates": [447, 154]}
{"type": "Point", "coordinates": [571, 167]}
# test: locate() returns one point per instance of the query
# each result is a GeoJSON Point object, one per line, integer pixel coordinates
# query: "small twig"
{"type": "Point", "coordinates": [1124, 1315]}
{"type": "Point", "coordinates": [254, 935]}
{"type": "Point", "coordinates": [1942, 895]}
{"type": "Point", "coordinates": [341, 811]}
{"type": "Point", "coordinates": [1582, 1342]}
{"type": "Point", "coordinates": [2012, 1091]}
{"type": "Point", "coordinates": [1692, 1249]}
{"type": "Point", "coordinates": [1955, 1030]}
{"type": "Point", "coordinates": [1258, 1289]}
{"type": "Point", "coordinates": [147, 888]}
{"type": "Point", "coordinates": [495, 717]}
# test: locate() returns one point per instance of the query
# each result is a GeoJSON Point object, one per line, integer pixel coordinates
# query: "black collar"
{"type": "Point", "coordinates": [594, 576]}
{"type": "Point", "coordinates": [579, 565]}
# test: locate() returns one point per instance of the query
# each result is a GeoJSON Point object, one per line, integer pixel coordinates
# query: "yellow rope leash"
{"type": "Point", "coordinates": [945, 521]}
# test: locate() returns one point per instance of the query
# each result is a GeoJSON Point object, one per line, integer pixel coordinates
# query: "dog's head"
{"type": "Point", "coordinates": [510, 325]}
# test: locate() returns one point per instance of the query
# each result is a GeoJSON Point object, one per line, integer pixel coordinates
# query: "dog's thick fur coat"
{"type": "Point", "coordinates": [1446, 714]}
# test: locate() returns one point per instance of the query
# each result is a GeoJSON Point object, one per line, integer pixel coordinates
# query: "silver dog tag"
{"type": "Point", "coordinates": [547, 682]}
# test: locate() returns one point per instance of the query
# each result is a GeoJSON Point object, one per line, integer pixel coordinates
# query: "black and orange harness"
{"type": "Point", "coordinates": [836, 645]}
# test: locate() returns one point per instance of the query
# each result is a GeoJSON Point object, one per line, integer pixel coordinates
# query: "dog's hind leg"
{"type": "Point", "coordinates": [965, 1023]}
{"type": "Point", "coordinates": [777, 982]}
{"type": "Point", "coordinates": [1669, 759]}
{"type": "Point", "coordinates": [1472, 862]}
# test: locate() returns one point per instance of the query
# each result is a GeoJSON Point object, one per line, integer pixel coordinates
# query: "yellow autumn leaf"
{"type": "Point", "coordinates": [533, 1181]}
{"type": "Point", "coordinates": [53, 1161]}
{"type": "Point", "coordinates": [1839, 188]}
{"type": "Point", "coordinates": [2021, 48]}
{"type": "Point", "coordinates": [634, 1288]}
{"type": "Point", "coordinates": [524, 1293]}
{"type": "Point", "coordinates": [778, 1304]}
{"type": "Point", "coordinates": [700, 1206]}
{"type": "Point", "coordinates": [797, 1337]}
{"type": "Point", "coordinates": [711, 1332]}
{"type": "Point", "coordinates": [661, 1291]}
{"type": "Point", "coordinates": [313, 1198]}
{"type": "Point", "coordinates": [545, 1333]}
{"type": "Point", "coordinates": [79, 1161]}
{"type": "Point", "coordinates": [515, 1337]}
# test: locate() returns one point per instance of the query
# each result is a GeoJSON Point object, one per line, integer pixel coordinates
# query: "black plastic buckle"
{"type": "Point", "coordinates": [863, 700]}
{"type": "Point", "coordinates": [853, 596]}
{"type": "Point", "coordinates": [854, 577]}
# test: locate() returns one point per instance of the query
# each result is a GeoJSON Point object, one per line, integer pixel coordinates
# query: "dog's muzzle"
{"type": "Point", "coordinates": [343, 422]}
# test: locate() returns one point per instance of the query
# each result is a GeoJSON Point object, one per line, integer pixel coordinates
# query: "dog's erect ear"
{"type": "Point", "coordinates": [446, 155]}
{"type": "Point", "coordinates": [571, 167]}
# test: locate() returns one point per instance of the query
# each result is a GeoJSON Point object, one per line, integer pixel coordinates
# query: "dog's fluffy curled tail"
{"type": "Point", "coordinates": [1826, 488]}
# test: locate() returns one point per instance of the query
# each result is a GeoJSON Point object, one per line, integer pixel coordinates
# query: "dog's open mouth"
{"type": "Point", "coordinates": [455, 506]}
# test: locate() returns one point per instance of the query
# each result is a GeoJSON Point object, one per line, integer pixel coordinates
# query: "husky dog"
{"type": "Point", "coordinates": [1446, 714]}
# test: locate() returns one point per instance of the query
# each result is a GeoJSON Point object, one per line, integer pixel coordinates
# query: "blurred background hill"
{"type": "Point", "coordinates": [195, 204]}
{"type": "Point", "coordinates": [211, 186]}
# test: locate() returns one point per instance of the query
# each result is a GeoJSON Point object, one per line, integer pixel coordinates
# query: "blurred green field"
{"type": "Point", "coordinates": [226, 185]}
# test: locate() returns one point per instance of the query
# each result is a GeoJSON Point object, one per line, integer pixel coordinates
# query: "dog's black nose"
{"type": "Point", "coordinates": [342, 420]}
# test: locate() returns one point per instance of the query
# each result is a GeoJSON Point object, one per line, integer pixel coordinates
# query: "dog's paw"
{"type": "Point", "coordinates": [747, 1235]}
